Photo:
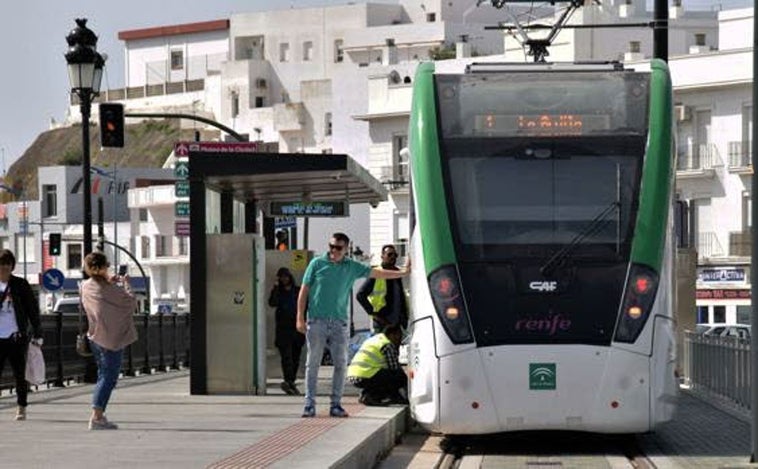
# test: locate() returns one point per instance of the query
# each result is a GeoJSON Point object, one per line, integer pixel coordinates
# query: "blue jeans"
{"type": "Point", "coordinates": [319, 330]}
{"type": "Point", "coordinates": [108, 369]}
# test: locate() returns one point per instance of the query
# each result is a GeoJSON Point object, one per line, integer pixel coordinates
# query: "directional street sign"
{"type": "Point", "coordinates": [181, 149]}
{"type": "Point", "coordinates": [181, 169]}
{"type": "Point", "coordinates": [181, 227]}
{"type": "Point", "coordinates": [182, 209]}
{"type": "Point", "coordinates": [181, 188]}
{"type": "Point", "coordinates": [52, 279]}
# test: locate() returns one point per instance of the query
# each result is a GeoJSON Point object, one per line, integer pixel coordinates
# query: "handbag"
{"type": "Point", "coordinates": [82, 342]}
{"type": "Point", "coordinates": [35, 364]}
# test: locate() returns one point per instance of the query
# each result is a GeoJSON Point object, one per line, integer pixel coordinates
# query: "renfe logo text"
{"type": "Point", "coordinates": [549, 325]}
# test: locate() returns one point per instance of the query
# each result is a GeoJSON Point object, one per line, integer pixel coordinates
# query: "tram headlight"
{"type": "Point", "coordinates": [448, 302]}
{"type": "Point", "coordinates": [639, 295]}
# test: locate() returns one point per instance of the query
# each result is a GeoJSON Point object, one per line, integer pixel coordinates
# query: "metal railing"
{"type": "Point", "coordinates": [708, 245]}
{"type": "Point", "coordinates": [740, 155]}
{"type": "Point", "coordinates": [698, 157]}
{"type": "Point", "coordinates": [163, 344]}
{"type": "Point", "coordinates": [718, 368]}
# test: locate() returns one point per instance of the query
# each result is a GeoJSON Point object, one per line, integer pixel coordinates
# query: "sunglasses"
{"type": "Point", "coordinates": [336, 247]}
{"type": "Point", "coordinates": [390, 254]}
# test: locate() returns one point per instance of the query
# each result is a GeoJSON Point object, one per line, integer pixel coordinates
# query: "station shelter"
{"type": "Point", "coordinates": [239, 186]}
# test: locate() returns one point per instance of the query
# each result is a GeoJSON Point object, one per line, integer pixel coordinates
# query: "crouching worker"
{"type": "Point", "coordinates": [375, 369]}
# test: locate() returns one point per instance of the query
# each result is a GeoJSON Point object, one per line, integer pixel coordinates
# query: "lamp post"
{"type": "Point", "coordinates": [113, 176]}
{"type": "Point", "coordinates": [85, 71]}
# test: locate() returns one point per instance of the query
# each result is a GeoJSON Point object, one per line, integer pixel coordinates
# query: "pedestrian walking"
{"type": "Point", "coordinates": [287, 340]}
{"type": "Point", "coordinates": [325, 292]}
{"type": "Point", "coordinates": [19, 311]}
{"type": "Point", "coordinates": [110, 305]}
{"type": "Point", "coordinates": [384, 300]}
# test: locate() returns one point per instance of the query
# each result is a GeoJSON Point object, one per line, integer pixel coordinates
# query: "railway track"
{"type": "Point", "coordinates": [542, 450]}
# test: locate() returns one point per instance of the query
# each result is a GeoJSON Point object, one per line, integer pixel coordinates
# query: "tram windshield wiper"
{"type": "Point", "coordinates": [593, 227]}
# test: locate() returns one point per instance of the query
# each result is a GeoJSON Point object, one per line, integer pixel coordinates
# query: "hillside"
{"type": "Point", "coordinates": [147, 144]}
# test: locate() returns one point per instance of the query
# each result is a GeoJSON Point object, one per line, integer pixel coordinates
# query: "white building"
{"type": "Point", "coordinates": [338, 79]}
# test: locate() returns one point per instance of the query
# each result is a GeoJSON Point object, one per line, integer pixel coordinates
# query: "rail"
{"type": "Point", "coordinates": [163, 344]}
{"type": "Point", "coordinates": [718, 368]}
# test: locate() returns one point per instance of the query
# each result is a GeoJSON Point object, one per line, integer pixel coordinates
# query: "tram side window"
{"type": "Point", "coordinates": [702, 315]}
{"type": "Point", "coordinates": [719, 314]}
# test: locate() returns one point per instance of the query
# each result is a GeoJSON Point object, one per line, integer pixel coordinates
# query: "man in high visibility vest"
{"type": "Point", "coordinates": [384, 299]}
{"type": "Point", "coordinates": [375, 369]}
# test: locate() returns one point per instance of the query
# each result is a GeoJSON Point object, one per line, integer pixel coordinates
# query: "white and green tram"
{"type": "Point", "coordinates": [542, 250]}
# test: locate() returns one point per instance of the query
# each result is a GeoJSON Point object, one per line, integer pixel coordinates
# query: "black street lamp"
{"type": "Point", "coordinates": [85, 71]}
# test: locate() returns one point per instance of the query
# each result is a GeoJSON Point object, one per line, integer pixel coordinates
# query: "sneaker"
{"type": "Point", "coordinates": [309, 411]}
{"type": "Point", "coordinates": [337, 411]}
{"type": "Point", "coordinates": [20, 413]}
{"type": "Point", "coordinates": [369, 400]}
{"type": "Point", "coordinates": [294, 389]}
{"type": "Point", "coordinates": [103, 424]}
{"type": "Point", "coordinates": [287, 388]}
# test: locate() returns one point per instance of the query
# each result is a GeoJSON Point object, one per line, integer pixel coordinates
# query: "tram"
{"type": "Point", "coordinates": [542, 248]}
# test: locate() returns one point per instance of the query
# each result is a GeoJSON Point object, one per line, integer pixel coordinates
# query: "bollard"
{"type": "Point", "coordinates": [161, 358]}
{"type": "Point", "coordinates": [129, 361]}
{"type": "Point", "coordinates": [187, 341]}
{"type": "Point", "coordinates": [146, 367]}
{"type": "Point", "coordinates": [58, 383]}
{"type": "Point", "coordinates": [175, 359]}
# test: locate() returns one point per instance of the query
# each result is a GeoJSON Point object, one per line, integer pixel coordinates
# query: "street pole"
{"type": "Point", "coordinates": [86, 108]}
{"type": "Point", "coordinates": [115, 218]}
{"type": "Point", "coordinates": [754, 252]}
{"type": "Point", "coordinates": [26, 235]}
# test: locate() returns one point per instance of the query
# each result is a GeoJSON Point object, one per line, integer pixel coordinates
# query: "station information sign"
{"type": "Point", "coordinates": [330, 208]}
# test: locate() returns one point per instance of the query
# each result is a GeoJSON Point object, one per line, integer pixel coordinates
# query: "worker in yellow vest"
{"type": "Point", "coordinates": [384, 300]}
{"type": "Point", "coordinates": [376, 371]}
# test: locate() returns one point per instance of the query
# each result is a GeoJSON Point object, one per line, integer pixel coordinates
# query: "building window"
{"type": "Point", "coordinates": [162, 246]}
{"type": "Point", "coordinates": [747, 125]}
{"type": "Point", "coordinates": [702, 315]}
{"type": "Point", "coordinates": [73, 256]}
{"type": "Point", "coordinates": [50, 200]}
{"type": "Point", "coordinates": [719, 314]}
{"type": "Point", "coordinates": [328, 124]}
{"type": "Point", "coordinates": [284, 52]}
{"type": "Point", "coordinates": [143, 214]}
{"type": "Point", "coordinates": [177, 60]}
{"type": "Point", "coordinates": [260, 102]}
{"type": "Point", "coordinates": [307, 51]}
{"type": "Point", "coordinates": [339, 53]}
{"type": "Point", "coordinates": [183, 242]}
{"type": "Point", "coordinates": [235, 104]}
{"type": "Point", "coordinates": [145, 251]}
{"type": "Point", "coordinates": [747, 214]}
{"type": "Point", "coordinates": [700, 39]}
{"type": "Point", "coordinates": [399, 158]}
{"type": "Point", "coordinates": [431, 17]}
{"type": "Point", "coordinates": [743, 314]}
{"type": "Point", "coordinates": [634, 47]}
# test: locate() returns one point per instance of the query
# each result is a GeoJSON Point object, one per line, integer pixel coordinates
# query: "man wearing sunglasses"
{"type": "Point", "coordinates": [384, 300]}
{"type": "Point", "coordinates": [327, 285]}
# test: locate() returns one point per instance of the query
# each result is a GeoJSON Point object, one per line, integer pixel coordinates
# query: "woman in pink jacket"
{"type": "Point", "coordinates": [110, 306]}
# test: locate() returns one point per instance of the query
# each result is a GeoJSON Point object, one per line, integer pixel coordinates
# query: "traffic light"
{"type": "Point", "coordinates": [112, 125]}
{"type": "Point", "coordinates": [54, 246]}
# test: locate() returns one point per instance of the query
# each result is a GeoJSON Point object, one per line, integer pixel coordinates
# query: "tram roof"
{"type": "Point", "coordinates": [287, 176]}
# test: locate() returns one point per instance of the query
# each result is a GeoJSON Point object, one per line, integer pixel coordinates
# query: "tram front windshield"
{"type": "Point", "coordinates": [542, 161]}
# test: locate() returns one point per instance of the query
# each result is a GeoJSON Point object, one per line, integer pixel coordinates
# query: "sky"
{"type": "Point", "coordinates": [34, 83]}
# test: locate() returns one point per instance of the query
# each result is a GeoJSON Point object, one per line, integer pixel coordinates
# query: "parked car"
{"type": "Point", "coordinates": [67, 306]}
{"type": "Point", "coordinates": [740, 331]}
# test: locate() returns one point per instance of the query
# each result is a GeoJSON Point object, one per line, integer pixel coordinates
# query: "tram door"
{"type": "Point", "coordinates": [235, 318]}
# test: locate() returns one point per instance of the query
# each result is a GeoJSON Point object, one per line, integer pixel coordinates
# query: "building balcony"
{"type": "Point", "coordinates": [740, 157]}
{"type": "Point", "coordinates": [709, 246]}
{"type": "Point", "coordinates": [153, 196]}
{"type": "Point", "coordinates": [289, 117]}
{"type": "Point", "coordinates": [698, 161]}
{"type": "Point", "coordinates": [395, 177]}
{"type": "Point", "coordinates": [740, 243]}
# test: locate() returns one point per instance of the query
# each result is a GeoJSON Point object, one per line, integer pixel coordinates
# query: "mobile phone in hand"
{"type": "Point", "coordinates": [122, 270]}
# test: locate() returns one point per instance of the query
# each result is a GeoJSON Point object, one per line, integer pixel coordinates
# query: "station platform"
{"type": "Point", "coordinates": [162, 425]}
